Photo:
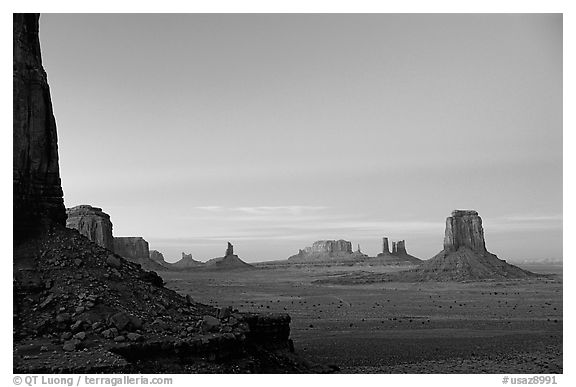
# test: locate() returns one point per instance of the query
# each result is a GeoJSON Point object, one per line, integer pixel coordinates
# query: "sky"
{"type": "Point", "coordinates": [273, 131]}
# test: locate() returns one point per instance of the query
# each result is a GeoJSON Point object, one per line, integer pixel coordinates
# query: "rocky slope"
{"type": "Point", "coordinates": [93, 223]}
{"type": "Point", "coordinates": [90, 310]}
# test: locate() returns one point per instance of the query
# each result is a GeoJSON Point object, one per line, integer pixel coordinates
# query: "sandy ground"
{"type": "Point", "coordinates": [476, 327]}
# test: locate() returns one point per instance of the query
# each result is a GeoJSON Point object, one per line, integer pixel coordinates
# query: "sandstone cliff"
{"type": "Point", "coordinates": [464, 228]}
{"type": "Point", "coordinates": [37, 193]}
{"type": "Point", "coordinates": [93, 223]}
{"type": "Point", "coordinates": [136, 249]}
{"type": "Point", "coordinates": [132, 248]}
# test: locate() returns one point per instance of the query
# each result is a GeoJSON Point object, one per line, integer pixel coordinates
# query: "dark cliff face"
{"type": "Point", "coordinates": [93, 223]}
{"type": "Point", "coordinates": [38, 197]}
{"type": "Point", "coordinates": [134, 249]}
{"type": "Point", "coordinates": [464, 229]}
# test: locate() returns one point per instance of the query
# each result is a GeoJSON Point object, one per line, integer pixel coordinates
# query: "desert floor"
{"type": "Point", "coordinates": [475, 327]}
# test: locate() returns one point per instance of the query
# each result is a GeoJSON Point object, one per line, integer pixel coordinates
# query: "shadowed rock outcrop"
{"type": "Point", "coordinates": [37, 193]}
{"type": "Point", "coordinates": [93, 223]}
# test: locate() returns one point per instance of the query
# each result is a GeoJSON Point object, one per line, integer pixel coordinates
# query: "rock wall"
{"type": "Point", "coordinates": [464, 229]}
{"type": "Point", "coordinates": [135, 249]}
{"type": "Point", "coordinates": [37, 192]}
{"type": "Point", "coordinates": [93, 223]}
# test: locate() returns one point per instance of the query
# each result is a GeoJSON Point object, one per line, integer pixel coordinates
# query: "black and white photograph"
{"type": "Point", "coordinates": [287, 193]}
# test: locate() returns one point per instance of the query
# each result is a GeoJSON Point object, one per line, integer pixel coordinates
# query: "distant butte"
{"type": "Point", "coordinates": [398, 255]}
{"type": "Point", "coordinates": [229, 261]}
{"type": "Point", "coordinates": [464, 256]}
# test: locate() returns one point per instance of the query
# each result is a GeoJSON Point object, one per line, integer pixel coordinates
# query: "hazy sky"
{"type": "Point", "coordinates": [273, 131]}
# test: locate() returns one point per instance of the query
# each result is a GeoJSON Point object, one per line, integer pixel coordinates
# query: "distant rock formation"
{"type": "Point", "coordinates": [157, 256]}
{"type": "Point", "coordinates": [464, 229]}
{"type": "Point", "coordinates": [464, 256]}
{"type": "Point", "coordinates": [186, 262]}
{"type": "Point", "coordinates": [398, 255]}
{"type": "Point", "coordinates": [385, 247]}
{"type": "Point", "coordinates": [229, 250]}
{"type": "Point", "coordinates": [358, 254]}
{"type": "Point", "coordinates": [324, 250]}
{"type": "Point", "coordinates": [93, 223]}
{"type": "Point", "coordinates": [134, 249]}
{"type": "Point", "coordinates": [229, 261]}
{"type": "Point", "coordinates": [37, 192]}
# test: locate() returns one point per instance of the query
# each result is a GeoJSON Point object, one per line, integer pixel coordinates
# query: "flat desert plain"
{"type": "Point", "coordinates": [392, 327]}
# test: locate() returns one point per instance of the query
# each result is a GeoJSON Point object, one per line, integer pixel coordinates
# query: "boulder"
{"type": "Point", "coordinates": [93, 223]}
{"type": "Point", "coordinates": [210, 324]}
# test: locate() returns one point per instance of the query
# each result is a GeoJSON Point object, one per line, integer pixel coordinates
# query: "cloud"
{"type": "Point", "coordinates": [273, 210]}
{"type": "Point", "coordinates": [524, 222]}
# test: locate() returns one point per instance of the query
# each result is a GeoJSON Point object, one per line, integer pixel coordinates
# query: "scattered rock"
{"type": "Point", "coordinates": [80, 335]}
{"type": "Point", "coordinates": [134, 336]}
{"type": "Point", "coordinates": [63, 317]}
{"type": "Point", "coordinates": [69, 346]}
{"type": "Point", "coordinates": [224, 313]}
{"type": "Point", "coordinates": [210, 324]}
{"type": "Point", "coordinates": [113, 261]}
